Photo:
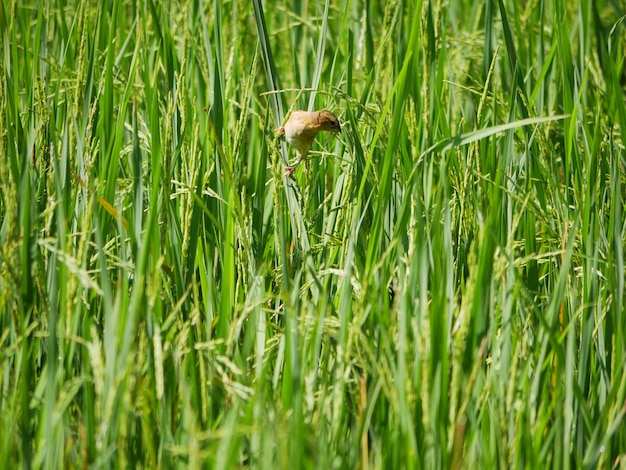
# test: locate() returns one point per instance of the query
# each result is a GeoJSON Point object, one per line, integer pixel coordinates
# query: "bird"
{"type": "Point", "coordinates": [302, 127]}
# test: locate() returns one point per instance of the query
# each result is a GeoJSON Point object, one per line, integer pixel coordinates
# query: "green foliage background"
{"type": "Point", "coordinates": [444, 286]}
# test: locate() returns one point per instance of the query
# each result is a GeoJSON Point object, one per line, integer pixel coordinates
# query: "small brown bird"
{"type": "Point", "coordinates": [302, 127]}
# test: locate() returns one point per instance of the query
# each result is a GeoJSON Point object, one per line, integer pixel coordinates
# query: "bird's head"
{"type": "Point", "coordinates": [327, 121]}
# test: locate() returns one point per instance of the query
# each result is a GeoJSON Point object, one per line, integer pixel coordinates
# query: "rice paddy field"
{"type": "Point", "coordinates": [441, 285]}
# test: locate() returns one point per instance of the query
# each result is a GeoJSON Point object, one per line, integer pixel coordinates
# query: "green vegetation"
{"type": "Point", "coordinates": [443, 287]}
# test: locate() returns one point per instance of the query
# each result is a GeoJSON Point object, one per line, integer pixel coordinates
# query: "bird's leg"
{"type": "Point", "coordinates": [290, 169]}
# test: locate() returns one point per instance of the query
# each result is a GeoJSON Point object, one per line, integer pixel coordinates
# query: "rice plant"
{"type": "Point", "coordinates": [441, 285]}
